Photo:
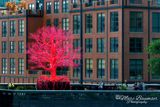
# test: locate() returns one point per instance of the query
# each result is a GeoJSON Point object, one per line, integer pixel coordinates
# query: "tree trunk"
{"type": "Point", "coordinates": [53, 72]}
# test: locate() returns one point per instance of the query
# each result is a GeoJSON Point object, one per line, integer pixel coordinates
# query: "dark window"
{"type": "Point", "coordinates": [100, 68]}
{"type": "Point", "coordinates": [156, 2]}
{"type": "Point", "coordinates": [56, 7]}
{"type": "Point", "coordinates": [76, 24]}
{"type": "Point", "coordinates": [113, 44]}
{"type": "Point", "coordinates": [20, 47]}
{"type": "Point", "coordinates": [89, 3]}
{"type": "Point", "coordinates": [12, 47]}
{"type": "Point", "coordinates": [114, 22]}
{"type": "Point", "coordinates": [156, 22]}
{"type": "Point", "coordinates": [65, 24]}
{"type": "Point", "coordinates": [4, 65]}
{"type": "Point", "coordinates": [100, 45]}
{"type": "Point", "coordinates": [88, 22]}
{"type": "Point", "coordinates": [136, 45]}
{"type": "Point", "coordinates": [39, 4]}
{"type": "Point", "coordinates": [100, 22]}
{"type": "Point", "coordinates": [75, 3]}
{"type": "Point", "coordinates": [12, 28]}
{"type": "Point", "coordinates": [48, 22]}
{"type": "Point", "coordinates": [32, 72]}
{"type": "Point", "coordinates": [76, 69]}
{"type": "Point", "coordinates": [136, 21]}
{"type": "Point", "coordinates": [21, 27]}
{"type": "Point", "coordinates": [62, 70]}
{"type": "Point", "coordinates": [135, 1]}
{"type": "Point", "coordinates": [76, 43]}
{"type": "Point", "coordinates": [88, 67]}
{"type": "Point", "coordinates": [4, 28]}
{"type": "Point", "coordinates": [56, 22]}
{"type": "Point", "coordinates": [65, 6]}
{"type": "Point", "coordinates": [113, 1]}
{"type": "Point", "coordinates": [136, 69]}
{"type": "Point", "coordinates": [4, 47]}
{"type": "Point", "coordinates": [12, 65]}
{"type": "Point", "coordinates": [88, 45]}
{"type": "Point", "coordinates": [114, 69]}
{"type": "Point", "coordinates": [101, 3]}
{"type": "Point", "coordinates": [48, 7]}
{"type": "Point", "coordinates": [21, 66]}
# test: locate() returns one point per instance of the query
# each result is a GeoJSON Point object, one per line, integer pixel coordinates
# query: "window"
{"type": "Point", "coordinates": [76, 24]}
{"type": "Point", "coordinates": [76, 43]}
{"type": "Point", "coordinates": [100, 45]}
{"type": "Point", "coordinates": [4, 47]}
{"type": "Point", "coordinates": [39, 4]}
{"type": "Point", "coordinates": [56, 21]}
{"type": "Point", "coordinates": [114, 69]}
{"type": "Point", "coordinates": [48, 22]}
{"type": "Point", "coordinates": [12, 47]}
{"type": "Point", "coordinates": [48, 7]}
{"type": "Point", "coordinates": [12, 28]}
{"type": "Point", "coordinates": [114, 22]}
{"type": "Point", "coordinates": [21, 66]}
{"type": "Point", "coordinates": [62, 70]}
{"type": "Point", "coordinates": [88, 22]}
{"type": "Point", "coordinates": [101, 3]}
{"type": "Point", "coordinates": [31, 6]}
{"type": "Point", "coordinates": [77, 70]}
{"type": "Point", "coordinates": [136, 45]}
{"type": "Point", "coordinates": [20, 47]}
{"type": "Point", "coordinates": [113, 1]}
{"type": "Point", "coordinates": [56, 7]}
{"type": "Point", "coordinates": [156, 2]}
{"type": "Point", "coordinates": [4, 66]}
{"type": "Point", "coordinates": [88, 67]}
{"type": "Point", "coordinates": [100, 22]}
{"type": "Point", "coordinates": [136, 69]}
{"type": "Point", "coordinates": [113, 44]}
{"type": "Point", "coordinates": [136, 21]}
{"type": "Point", "coordinates": [12, 66]}
{"type": "Point", "coordinates": [65, 24]}
{"type": "Point", "coordinates": [75, 3]}
{"type": "Point", "coordinates": [4, 28]}
{"type": "Point", "coordinates": [100, 68]}
{"type": "Point", "coordinates": [156, 22]}
{"type": "Point", "coordinates": [135, 1]}
{"type": "Point", "coordinates": [88, 45]}
{"type": "Point", "coordinates": [65, 6]}
{"type": "Point", "coordinates": [89, 3]}
{"type": "Point", "coordinates": [21, 27]}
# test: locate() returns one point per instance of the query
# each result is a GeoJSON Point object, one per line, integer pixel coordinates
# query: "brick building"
{"type": "Point", "coordinates": [115, 35]}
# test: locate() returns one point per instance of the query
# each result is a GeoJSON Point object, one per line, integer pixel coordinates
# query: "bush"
{"type": "Point", "coordinates": [56, 83]}
{"type": "Point", "coordinates": [25, 88]}
{"type": "Point", "coordinates": [11, 86]}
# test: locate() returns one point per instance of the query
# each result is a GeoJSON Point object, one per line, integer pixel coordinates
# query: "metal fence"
{"type": "Point", "coordinates": [85, 98]}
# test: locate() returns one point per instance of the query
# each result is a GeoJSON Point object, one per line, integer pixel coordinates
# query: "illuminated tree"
{"type": "Point", "coordinates": [50, 48]}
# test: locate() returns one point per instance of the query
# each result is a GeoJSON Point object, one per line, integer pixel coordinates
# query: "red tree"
{"type": "Point", "coordinates": [50, 48]}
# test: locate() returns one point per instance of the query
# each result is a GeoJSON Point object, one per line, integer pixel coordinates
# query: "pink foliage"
{"type": "Point", "coordinates": [50, 48]}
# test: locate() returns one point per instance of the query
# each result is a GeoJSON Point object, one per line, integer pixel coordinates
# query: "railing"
{"type": "Point", "coordinates": [79, 98]}
{"type": "Point", "coordinates": [4, 13]}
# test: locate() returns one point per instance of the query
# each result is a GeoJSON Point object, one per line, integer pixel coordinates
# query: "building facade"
{"type": "Point", "coordinates": [114, 34]}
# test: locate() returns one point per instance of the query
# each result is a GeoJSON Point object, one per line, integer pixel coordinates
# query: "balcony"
{"type": "Point", "coordinates": [7, 13]}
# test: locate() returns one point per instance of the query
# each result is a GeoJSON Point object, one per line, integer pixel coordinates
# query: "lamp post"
{"type": "Point", "coordinates": [81, 41]}
{"type": "Point", "coordinates": [149, 3]}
